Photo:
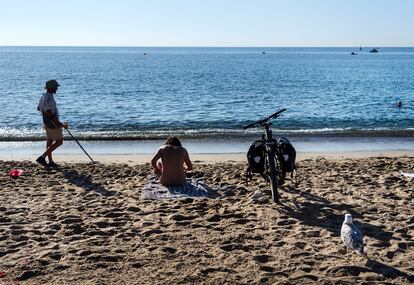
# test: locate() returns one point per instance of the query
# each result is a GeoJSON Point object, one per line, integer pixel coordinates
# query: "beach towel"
{"type": "Point", "coordinates": [193, 187]}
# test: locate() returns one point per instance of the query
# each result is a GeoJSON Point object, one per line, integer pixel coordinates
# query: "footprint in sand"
{"type": "Point", "coordinates": [262, 258]}
{"type": "Point", "coordinates": [150, 232]}
{"type": "Point", "coordinates": [266, 268]}
{"type": "Point", "coordinates": [70, 219]}
{"type": "Point", "coordinates": [341, 271]}
{"type": "Point", "coordinates": [179, 218]}
{"type": "Point", "coordinates": [169, 250]}
{"type": "Point", "coordinates": [235, 246]}
{"type": "Point", "coordinates": [26, 275]}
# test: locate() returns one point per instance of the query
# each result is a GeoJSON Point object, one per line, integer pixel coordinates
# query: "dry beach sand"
{"type": "Point", "coordinates": [86, 224]}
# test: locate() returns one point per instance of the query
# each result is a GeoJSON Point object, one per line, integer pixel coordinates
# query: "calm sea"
{"type": "Point", "coordinates": [112, 93]}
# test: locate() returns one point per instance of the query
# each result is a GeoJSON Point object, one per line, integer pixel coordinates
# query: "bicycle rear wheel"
{"type": "Point", "coordinates": [273, 177]}
{"type": "Point", "coordinates": [281, 174]}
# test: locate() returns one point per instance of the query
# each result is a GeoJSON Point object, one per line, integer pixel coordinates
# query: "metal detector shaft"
{"type": "Point", "coordinates": [80, 145]}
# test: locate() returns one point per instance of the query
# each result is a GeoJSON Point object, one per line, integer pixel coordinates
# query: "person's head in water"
{"type": "Point", "coordinates": [399, 104]}
{"type": "Point", "coordinates": [51, 86]}
{"type": "Point", "coordinates": [173, 141]}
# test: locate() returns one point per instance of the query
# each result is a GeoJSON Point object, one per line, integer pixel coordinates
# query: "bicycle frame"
{"type": "Point", "coordinates": [272, 157]}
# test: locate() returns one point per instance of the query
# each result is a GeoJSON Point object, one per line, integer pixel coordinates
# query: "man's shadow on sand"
{"type": "Point", "coordinates": [319, 212]}
{"type": "Point", "coordinates": [85, 182]}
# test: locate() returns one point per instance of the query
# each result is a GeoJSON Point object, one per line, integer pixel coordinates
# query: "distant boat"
{"type": "Point", "coordinates": [360, 48]}
{"type": "Point", "coordinates": [353, 53]}
{"type": "Point", "coordinates": [374, 50]}
{"type": "Point", "coordinates": [263, 52]}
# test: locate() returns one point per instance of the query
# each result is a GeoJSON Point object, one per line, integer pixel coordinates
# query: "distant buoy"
{"type": "Point", "coordinates": [145, 53]}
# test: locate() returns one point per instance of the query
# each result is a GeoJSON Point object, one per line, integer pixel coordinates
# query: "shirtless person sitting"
{"type": "Point", "coordinates": [171, 167]}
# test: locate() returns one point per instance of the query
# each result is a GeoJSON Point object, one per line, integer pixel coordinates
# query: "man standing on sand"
{"type": "Point", "coordinates": [47, 106]}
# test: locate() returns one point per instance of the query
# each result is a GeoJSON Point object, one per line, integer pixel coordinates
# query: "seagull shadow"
{"type": "Point", "coordinates": [387, 271]}
{"type": "Point", "coordinates": [319, 212]}
{"type": "Point", "coordinates": [85, 182]}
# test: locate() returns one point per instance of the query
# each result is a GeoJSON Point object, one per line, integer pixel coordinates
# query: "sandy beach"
{"type": "Point", "coordinates": [103, 102]}
{"type": "Point", "coordinates": [87, 224]}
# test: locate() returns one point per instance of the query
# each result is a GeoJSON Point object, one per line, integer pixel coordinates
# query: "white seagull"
{"type": "Point", "coordinates": [351, 236]}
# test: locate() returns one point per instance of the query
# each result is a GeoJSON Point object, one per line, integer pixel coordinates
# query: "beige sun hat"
{"type": "Point", "coordinates": [51, 84]}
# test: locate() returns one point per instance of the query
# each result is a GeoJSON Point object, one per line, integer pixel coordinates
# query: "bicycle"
{"type": "Point", "coordinates": [273, 168]}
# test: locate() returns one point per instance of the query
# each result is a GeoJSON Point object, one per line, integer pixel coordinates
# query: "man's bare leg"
{"type": "Point", "coordinates": [48, 144]}
{"type": "Point", "coordinates": [53, 147]}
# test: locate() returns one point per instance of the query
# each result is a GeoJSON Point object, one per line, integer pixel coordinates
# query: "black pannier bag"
{"type": "Point", "coordinates": [288, 155]}
{"type": "Point", "coordinates": [256, 159]}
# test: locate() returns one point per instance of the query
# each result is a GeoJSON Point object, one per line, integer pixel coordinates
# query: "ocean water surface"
{"type": "Point", "coordinates": [147, 93]}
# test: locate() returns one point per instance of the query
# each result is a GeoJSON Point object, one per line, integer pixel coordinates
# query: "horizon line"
{"type": "Point", "coordinates": [200, 46]}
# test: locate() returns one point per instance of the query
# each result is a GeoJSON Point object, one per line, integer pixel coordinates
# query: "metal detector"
{"type": "Point", "coordinates": [80, 145]}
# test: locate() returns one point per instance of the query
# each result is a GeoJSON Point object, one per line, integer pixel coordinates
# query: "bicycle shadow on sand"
{"type": "Point", "coordinates": [85, 182]}
{"type": "Point", "coordinates": [317, 211]}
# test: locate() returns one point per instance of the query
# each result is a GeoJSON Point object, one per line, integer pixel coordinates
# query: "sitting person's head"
{"type": "Point", "coordinates": [174, 141]}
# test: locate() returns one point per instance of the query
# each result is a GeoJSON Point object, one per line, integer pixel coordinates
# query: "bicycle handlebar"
{"type": "Point", "coordinates": [275, 115]}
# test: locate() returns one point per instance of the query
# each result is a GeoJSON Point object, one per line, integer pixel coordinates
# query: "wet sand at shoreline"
{"type": "Point", "coordinates": [135, 159]}
{"type": "Point", "coordinates": [86, 224]}
{"type": "Point", "coordinates": [139, 151]}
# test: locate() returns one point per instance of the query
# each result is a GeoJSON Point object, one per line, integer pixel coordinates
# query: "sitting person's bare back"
{"type": "Point", "coordinates": [171, 167]}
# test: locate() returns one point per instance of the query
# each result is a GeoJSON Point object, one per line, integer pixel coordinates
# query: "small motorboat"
{"type": "Point", "coordinates": [374, 50]}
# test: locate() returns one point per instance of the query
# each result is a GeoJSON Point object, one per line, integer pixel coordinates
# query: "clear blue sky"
{"type": "Point", "coordinates": [207, 22]}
